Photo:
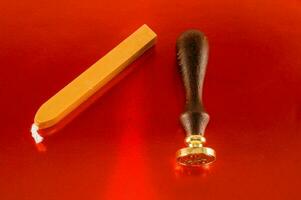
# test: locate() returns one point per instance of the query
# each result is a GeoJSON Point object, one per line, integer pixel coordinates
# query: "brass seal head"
{"type": "Point", "coordinates": [195, 154]}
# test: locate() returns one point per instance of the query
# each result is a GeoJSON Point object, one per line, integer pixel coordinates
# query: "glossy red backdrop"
{"type": "Point", "coordinates": [123, 146]}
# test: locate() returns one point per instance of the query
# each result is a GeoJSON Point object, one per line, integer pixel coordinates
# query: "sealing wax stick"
{"type": "Point", "coordinates": [192, 51]}
{"type": "Point", "coordinates": [78, 91]}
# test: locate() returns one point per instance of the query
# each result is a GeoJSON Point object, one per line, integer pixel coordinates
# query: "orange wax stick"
{"type": "Point", "coordinates": [78, 91]}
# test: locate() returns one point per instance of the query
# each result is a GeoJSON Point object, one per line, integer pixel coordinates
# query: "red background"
{"type": "Point", "coordinates": [123, 146]}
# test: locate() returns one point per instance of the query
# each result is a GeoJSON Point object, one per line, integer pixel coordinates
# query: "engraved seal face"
{"type": "Point", "coordinates": [195, 156]}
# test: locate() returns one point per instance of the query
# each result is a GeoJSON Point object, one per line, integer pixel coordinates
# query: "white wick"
{"type": "Point", "coordinates": [35, 134]}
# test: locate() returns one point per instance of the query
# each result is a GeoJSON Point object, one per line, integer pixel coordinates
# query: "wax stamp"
{"type": "Point", "coordinates": [192, 52]}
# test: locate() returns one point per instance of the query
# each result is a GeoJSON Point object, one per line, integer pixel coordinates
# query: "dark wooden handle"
{"type": "Point", "coordinates": [192, 51]}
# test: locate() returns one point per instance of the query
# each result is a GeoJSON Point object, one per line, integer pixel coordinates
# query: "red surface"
{"type": "Point", "coordinates": [123, 146]}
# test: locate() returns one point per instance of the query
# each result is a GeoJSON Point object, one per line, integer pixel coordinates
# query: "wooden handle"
{"type": "Point", "coordinates": [192, 51]}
